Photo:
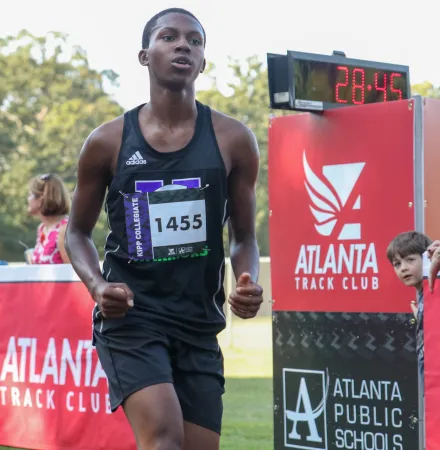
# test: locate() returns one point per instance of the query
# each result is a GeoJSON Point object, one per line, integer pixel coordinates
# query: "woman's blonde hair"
{"type": "Point", "coordinates": [56, 197]}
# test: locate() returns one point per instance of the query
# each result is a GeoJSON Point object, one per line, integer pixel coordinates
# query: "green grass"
{"type": "Point", "coordinates": [247, 421]}
{"type": "Point", "coordinates": [248, 402]}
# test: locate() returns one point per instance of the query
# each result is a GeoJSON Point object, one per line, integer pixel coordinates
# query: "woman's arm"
{"type": "Point", "coordinates": [60, 244]}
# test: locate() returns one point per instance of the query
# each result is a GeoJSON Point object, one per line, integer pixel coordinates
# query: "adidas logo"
{"type": "Point", "coordinates": [136, 159]}
{"type": "Point", "coordinates": [331, 195]}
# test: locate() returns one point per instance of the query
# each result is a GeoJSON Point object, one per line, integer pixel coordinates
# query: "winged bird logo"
{"type": "Point", "coordinates": [331, 195]}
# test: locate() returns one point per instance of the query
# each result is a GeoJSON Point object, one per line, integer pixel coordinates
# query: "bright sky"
{"type": "Point", "coordinates": [401, 32]}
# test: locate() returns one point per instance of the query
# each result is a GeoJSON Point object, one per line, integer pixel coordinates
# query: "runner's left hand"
{"type": "Point", "coordinates": [246, 300]}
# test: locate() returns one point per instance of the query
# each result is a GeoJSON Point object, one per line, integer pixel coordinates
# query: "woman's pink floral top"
{"type": "Point", "coordinates": [46, 249]}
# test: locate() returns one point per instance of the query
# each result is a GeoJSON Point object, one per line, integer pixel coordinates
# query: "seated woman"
{"type": "Point", "coordinates": [49, 200]}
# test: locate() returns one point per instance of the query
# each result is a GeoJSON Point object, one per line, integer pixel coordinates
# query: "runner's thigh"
{"type": "Point", "coordinates": [137, 364]}
{"type": "Point", "coordinates": [199, 383]}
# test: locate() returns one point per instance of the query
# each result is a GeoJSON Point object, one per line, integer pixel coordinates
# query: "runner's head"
{"type": "Point", "coordinates": [173, 48]}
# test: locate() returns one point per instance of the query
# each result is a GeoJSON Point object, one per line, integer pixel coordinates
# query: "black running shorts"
{"type": "Point", "coordinates": [137, 357]}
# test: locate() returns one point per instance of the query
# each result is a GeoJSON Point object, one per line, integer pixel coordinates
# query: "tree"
{"type": "Point", "coordinates": [50, 100]}
{"type": "Point", "coordinates": [426, 89]}
{"type": "Point", "coordinates": [248, 102]}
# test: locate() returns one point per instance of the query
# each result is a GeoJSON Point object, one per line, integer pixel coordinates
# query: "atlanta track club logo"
{"type": "Point", "coordinates": [331, 195]}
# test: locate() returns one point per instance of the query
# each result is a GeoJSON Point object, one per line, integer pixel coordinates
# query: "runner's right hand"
{"type": "Point", "coordinates": [113, 299]}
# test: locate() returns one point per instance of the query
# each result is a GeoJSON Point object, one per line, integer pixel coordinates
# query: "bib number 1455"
{"type": "Point", "coordinates": [166, 220]}
{"type": "Point", "coordinates": [186, 222]}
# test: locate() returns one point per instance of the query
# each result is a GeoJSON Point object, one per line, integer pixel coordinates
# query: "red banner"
{"type": "Point", "coordinates": [53, 391]}
{"type": "Point", "coordinates": [337, 199]}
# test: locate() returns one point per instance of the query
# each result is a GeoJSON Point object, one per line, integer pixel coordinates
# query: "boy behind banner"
{"type": "Point", "coordinates": [405, 252]}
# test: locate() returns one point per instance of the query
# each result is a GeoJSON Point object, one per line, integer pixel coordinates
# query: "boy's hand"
{"type": "Point", "coordinates": [434, 256]}
{"type": "Point", "coordinates": [432, 248]}
{"type": "Point", "coordinates": [414, 309]}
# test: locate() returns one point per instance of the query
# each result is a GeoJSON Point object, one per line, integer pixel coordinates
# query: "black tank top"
{"type": "Point", "coordinates": [166, 213]}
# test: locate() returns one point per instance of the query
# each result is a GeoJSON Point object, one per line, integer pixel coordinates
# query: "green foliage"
{"type": "Point", "coordinates": [426, 89]}
{"type": "Point", "coordinates": [50, 100]}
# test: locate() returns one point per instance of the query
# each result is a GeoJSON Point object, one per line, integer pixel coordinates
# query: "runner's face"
{"type": "Point", "coordinates": [176, 53]}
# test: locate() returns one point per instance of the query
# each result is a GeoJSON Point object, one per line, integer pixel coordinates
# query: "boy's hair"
{"type": "Point", "coordinates": [408, 243]}
{"type": "Point", "coordinates": [153, 21]}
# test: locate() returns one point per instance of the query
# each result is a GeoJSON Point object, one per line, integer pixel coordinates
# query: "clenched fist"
{"type": "Point", "coordinates": [113, 299]}
{"type": "Point", "coordinates": [246, 300]}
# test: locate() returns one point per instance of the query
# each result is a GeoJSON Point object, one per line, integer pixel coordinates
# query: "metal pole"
{"type": "Point", "coordinates": [419, 217]}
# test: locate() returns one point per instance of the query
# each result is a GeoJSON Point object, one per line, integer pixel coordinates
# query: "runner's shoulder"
{"type": "Point", "coordinates": [234, 137]}
{"type": "Point", "coordinates": [226, 124]}
{"type": "Point", "coordinates": [107, 137]}
{"type": "Point", "coordinates": [101, 148]}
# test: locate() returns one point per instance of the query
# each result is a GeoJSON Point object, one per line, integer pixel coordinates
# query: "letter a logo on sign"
{"type": "Point", "coordinates": [332, 197]}
{"type": "Point", "coordinates": [305, 400]}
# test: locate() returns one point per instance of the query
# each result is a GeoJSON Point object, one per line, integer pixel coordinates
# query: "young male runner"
{"type": "Point", "coordinates": [175, 172]}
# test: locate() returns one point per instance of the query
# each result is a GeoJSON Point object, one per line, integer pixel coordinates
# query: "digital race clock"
{"type": "Point", "coordinates": [308, 82]}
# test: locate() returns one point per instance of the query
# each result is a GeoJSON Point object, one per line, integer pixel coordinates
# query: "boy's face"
{"type": "Point", "coordinates": [409, 269]}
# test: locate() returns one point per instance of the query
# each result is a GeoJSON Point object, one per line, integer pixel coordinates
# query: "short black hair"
{"type": "Point", "coordinates": [153, 21]}
{"type": "Point", "coordinates": [408, 243]}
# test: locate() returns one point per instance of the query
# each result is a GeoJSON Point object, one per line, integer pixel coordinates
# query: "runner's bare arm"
{"type": "Point", "coordinates": [94, 174]}
{"type": "Point", "coordinates": [242, 202]}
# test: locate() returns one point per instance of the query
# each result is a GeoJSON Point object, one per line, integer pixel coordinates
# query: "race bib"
{"type": "Point", "coordinates": [165, 223]}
